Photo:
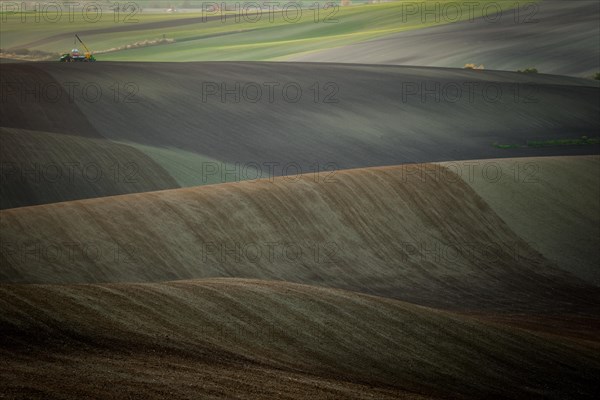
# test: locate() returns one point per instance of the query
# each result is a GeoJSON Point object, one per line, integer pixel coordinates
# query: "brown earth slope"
{"type": "Point", "coordinates": [383, 230]}
{"type": "Point", "coordinates": [232, 338]}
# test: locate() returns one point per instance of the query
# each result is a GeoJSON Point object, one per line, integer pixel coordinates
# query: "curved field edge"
{"type": "Point", "coordinates": [550, 202]}
{"type": "Point", "coordinates": [292, 329]}
{"type": "Point", "coordinates": [568, 30]}
{"type": "Point", "coordinates": [46, 167]}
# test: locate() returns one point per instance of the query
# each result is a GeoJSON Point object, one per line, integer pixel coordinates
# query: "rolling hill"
{"type": "Point", "coordinates": [565, 36]}
{"type": "Point", "coordinates": [384, 231]}
{"type": "Point", "coordinates": [240, 338]}
{"type": "Point", "coordinates": [181, 117]}
{"type": "Point", "coordinates": [178, 223]}
{"type": "Point", "coordinates": [216, 36]}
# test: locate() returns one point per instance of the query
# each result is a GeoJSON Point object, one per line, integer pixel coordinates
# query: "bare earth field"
{"type": "Point", "coordinates": [416, 281]}
{"type": "Point", "coordinates": [345, 226]}
{"type": "Point", "coordinates": [223, 338]}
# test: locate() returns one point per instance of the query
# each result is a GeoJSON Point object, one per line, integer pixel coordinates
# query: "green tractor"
{"type": "Point", "coordinates": [76, 56]}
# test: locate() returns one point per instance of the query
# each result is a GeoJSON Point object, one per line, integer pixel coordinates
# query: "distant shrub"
{"type": "Point", "coordinates": [143, 43]}
{"type": "Point", "coordinates": [597, 76]}
{"type": "Point", "coordinates": [20, 52]}
{"type": "Point", "coordinates": [529, 71]}
{"type": "Point", "coordinates": [40, 53]}
{"type": "Point", "coordinates": [26, 54]}
{"type": "Point", "coordinates": [474, 66]}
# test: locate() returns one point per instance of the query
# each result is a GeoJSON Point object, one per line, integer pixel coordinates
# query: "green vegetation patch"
{"type": "Point", "coordinates": [582, 141]}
